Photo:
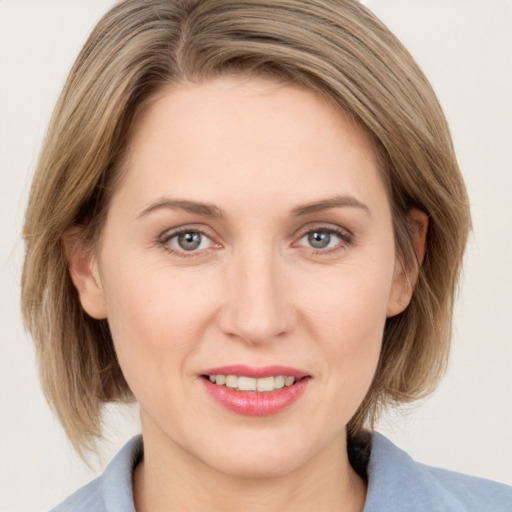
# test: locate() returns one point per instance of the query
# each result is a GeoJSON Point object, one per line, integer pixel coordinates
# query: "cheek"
{"type": "Point", "coordinates": [350, 302]}
{"type": "Point", "coordinates": [354, 352]}
{"type": "Point", "coordinates": [347, 316]}
{"type": "Point", "coordinates": [156, 316]}
{"type": "Point", "coordinates": [354, 339]}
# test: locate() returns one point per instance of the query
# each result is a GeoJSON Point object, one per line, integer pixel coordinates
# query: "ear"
{"type": "Point", "coordinates": [405, 277]}
{"type": "Point", "coordinates": [83, 269]}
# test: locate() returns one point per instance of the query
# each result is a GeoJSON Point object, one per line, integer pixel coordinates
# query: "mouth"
{"type": "Point", "coordinates": [255, 391]}
{"type": "Point", "coordinates": [245, 383]}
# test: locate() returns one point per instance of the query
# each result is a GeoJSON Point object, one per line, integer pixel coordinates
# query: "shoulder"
{"type": "Point", "coordinates": [397, 481]}
{"type": "Point", "coordinates": [88, 497]}
{"type": "Point", "coordinates": [111, 491]}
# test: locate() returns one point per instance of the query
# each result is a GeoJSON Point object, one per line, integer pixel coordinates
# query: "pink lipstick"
{"type": "Point", "coordinates": [255, 391]}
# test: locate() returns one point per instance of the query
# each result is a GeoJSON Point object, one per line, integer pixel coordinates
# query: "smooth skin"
{"type": "Point", "coordinates": [251, 227]}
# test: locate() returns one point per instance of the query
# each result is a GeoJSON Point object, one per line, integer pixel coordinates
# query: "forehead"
{"type": "Point", "coordinates": [246, 131]}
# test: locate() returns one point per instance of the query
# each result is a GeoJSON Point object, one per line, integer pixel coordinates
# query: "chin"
{"type": "Point", "coordinates": [265, 454]}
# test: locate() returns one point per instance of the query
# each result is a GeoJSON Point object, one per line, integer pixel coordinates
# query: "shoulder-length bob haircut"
{"type": "Point", "coordinates": [336, 48]}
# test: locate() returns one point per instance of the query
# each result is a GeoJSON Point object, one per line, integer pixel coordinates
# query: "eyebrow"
{"type": "Point", "coordinates": [198, 208]}
{"type": "Point", "coordinates": [210, 210]}
{"type": "Point", "coordinates": [327, 204]}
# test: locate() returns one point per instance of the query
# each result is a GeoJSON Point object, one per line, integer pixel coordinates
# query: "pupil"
{"type": "Point", "coordinates": [319, 239]}
{"type": "Point", "coordinates": [189, 241]}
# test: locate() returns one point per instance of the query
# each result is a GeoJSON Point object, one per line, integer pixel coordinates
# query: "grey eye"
{"type": "Point", "coordinates": [319, 239]}
{"type": "Point", "coordinates": [189, 241]}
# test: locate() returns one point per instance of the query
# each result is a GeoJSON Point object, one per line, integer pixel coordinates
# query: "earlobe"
{"type": "Point", "coordinates": [401, 290]}
{"type": "Point", "coordinates": [83, 269]}
{"type": "Point", "coordinates": [405, 276]}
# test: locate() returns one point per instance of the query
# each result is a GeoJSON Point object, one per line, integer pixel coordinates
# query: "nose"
{"type": "Point", "coordinates": [258, 307]}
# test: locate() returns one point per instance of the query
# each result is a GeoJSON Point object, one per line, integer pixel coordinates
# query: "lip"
{"type": "Point", "coordinates": [256, 372]}
{"type": "Point", "coordinates": [254, 403]}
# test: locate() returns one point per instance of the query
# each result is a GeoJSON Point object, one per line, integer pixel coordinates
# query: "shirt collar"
{"type": "Point", "coordinates": [394, 480]}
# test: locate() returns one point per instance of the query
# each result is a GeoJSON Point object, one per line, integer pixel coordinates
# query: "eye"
{"type": "Point", "coordinates": [188, 241]}
{"type": "Point", "coordinates": [319, 239]}
{"type": "Point", "coordinates": [325, 239]}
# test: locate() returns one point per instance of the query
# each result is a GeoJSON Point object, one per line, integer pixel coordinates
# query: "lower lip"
{"type": "Point", "coordinates": [253, 403]}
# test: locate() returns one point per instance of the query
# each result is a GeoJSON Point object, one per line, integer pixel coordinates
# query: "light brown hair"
{"type": "Point", "coordinates": [336, 48]}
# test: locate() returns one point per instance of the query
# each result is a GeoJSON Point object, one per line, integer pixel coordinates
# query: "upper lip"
{"type": "Point", "coordinates": [256, 372]}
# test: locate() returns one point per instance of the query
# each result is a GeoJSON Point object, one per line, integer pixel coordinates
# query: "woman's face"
{"type": "Point", "coordinates": [250, 237]}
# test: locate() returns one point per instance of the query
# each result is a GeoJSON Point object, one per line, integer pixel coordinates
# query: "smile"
{"type": "Point", "coordinates": [254, 391]}
{"type": "Point", "coordinates": [244, 383]}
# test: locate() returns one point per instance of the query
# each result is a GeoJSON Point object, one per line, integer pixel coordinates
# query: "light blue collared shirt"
{"type": "Point", "coordinates": [396, 483]}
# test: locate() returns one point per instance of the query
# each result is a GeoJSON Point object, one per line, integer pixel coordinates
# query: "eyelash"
{"type": "Point", "coordinates": [165, 239]}
{"type": "Point", "coordinates": [345, 237]}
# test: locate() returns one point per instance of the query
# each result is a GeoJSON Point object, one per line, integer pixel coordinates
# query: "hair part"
{"type": "Point", "coordinates": [336, 48]}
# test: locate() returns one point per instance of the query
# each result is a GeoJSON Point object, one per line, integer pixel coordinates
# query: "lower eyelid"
{"type": "Point", "coordinates": [165, 241]}
{"type": "Point", "coordinates": [345, 239]}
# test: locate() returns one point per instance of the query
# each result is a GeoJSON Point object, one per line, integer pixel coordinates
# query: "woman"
{"type": "Point", "coordinates": [250, 219]}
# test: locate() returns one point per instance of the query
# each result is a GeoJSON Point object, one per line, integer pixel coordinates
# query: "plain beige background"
{"type": "Point", "coordinates": [465, 48]}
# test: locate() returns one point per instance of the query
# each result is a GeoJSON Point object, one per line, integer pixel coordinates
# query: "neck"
{"type": "Point", "coordinates": [169, 479]}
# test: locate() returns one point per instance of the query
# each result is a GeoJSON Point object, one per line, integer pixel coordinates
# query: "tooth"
{"type": "Point", "coordinates": [265, 384]}
{"type": "Point", "coordinates": [288, 381]}
{"type": "Point", "coordinates": [232, 381]}
{"type": "Point", "coordinates": [279, 382]}
{"type": "Point", "coordinates": [246, 384]}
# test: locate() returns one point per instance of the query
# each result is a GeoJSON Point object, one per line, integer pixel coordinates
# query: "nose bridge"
{"type": "Point", "coordinates": [257, 308]}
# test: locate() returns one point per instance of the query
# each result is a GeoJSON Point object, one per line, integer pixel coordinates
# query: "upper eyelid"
{"type": "Point", "coordinates": [332, 228]}
{"type": "Point", "coordinates": [346, 238]}
{"type": "Point", "coordinates": [172, 232]}
{"type": "Point", "coordinates": [340, 231]}
{"type": "Point", "coordinates": [332, 231]}
{"type": "Point", "coordinates": [164, 240]}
